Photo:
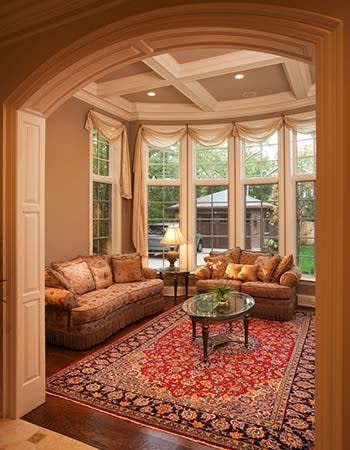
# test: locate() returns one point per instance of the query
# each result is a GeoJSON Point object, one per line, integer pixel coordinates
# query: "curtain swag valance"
{"type": "Point", "coordinates": [112, 133]}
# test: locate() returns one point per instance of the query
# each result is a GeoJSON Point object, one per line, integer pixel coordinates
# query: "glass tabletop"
{"type": "Point", "coordinates": [206, 306]}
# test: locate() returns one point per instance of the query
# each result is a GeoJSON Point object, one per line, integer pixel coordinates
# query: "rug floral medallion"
{"type": "Point", "coordinates": [260, 397]}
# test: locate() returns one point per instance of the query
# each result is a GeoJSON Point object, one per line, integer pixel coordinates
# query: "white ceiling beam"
{"type": "Point", "coordinates": [167, 68]}
{"type": "Point", "coordinates": [299, 77]}
{"type": "Point", "coordinates": [283, 102]}
{"type": "Point", "coordinates": [129, 85]}
{"type": "Point", "coordinates": [230, 62]}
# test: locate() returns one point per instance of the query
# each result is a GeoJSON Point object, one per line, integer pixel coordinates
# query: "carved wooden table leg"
{"type": "Point", "coordinates": [246, 329]}
{"type": "Point", "coordinates": [205, 333]}
{"type": "Point", "coordinates": [175, 284]}
{"type": "Point", "coordinates": [193, 329]}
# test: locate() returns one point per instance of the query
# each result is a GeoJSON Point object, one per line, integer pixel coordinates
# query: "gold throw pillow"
{"type": "Point", "coordinates": [232, 271]}
{"type": "Point", "coordinates": [248, 272]}
{"type": "Point", "coordinates": [285, 264]}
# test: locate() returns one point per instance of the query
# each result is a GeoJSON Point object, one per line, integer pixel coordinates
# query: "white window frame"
{"type": "Point", "coordinates": [190, 211]}
{"type": "Point", "coordinates": [242, 181]}
{"type": "Point", "coordinates": [292, 177]}
{"type": "Point", "coordinates": [183, 251]}
{"type": "Point", "coordinates": [112, 179]}
{"type": "Point", "coordinates": [286, 181]}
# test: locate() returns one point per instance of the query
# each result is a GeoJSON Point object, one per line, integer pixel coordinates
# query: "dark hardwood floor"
{"type": "Point", "coordinates": [93, 427]}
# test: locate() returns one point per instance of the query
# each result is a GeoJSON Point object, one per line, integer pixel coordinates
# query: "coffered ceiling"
{"type": "Point", "coordinates": [200, 84]}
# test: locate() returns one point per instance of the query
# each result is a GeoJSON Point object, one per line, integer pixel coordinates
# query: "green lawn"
{"type": "Point", "coordinates": [306, 261]}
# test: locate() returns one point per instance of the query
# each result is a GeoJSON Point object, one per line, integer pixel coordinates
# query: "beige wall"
{"type": "Point", "coordinates": [67, 183]}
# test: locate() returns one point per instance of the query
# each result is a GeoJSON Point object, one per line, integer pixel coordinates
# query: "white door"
{"type": "Point", "coordinates": [30, 311]}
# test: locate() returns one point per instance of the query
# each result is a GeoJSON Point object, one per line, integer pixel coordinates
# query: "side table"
{"type": "Point", "coordinates": [176, 274]}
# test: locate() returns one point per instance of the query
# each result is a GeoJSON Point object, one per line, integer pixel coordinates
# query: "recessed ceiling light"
{"type": "Point", "coordinates": [151, 94]}
{"type": "Point", "coordinates": [239, 76]}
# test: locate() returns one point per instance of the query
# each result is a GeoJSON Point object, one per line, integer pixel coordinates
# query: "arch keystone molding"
{"type": "Point", "coordinates": [297, 34]}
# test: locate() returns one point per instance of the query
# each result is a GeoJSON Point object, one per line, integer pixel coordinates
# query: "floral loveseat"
{"type": "Point", "coordinates": [91, 297]}
{"type": "Point", "coordinates": [270, 279]}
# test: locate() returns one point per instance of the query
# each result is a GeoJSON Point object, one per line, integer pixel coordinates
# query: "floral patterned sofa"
{"type": "Point", "coordinates": [270, 279]}
{"type": "Point", "coordinates": [89, 298]}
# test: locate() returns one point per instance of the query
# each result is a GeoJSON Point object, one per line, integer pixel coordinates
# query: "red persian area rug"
{"type": "Point", "coordinates": [260, 397]}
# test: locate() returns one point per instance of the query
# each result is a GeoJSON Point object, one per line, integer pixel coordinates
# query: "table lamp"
{"type": "Point", "coordinates": [172, 238]}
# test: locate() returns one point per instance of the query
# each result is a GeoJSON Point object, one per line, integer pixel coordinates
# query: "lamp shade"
{"type": "Point", "coordinates": [172, 237]}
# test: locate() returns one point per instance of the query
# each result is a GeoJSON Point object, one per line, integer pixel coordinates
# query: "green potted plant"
{"type": "Point", "coordinates": [221, 293]}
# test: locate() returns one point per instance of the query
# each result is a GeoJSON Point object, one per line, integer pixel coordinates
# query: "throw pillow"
{"type": "Point", "coordinates": [101, 270]}
{"type": "Point", "coordinates": [217, 265]}
{"type": "Point", "coordinates": [232, 270]}
{"type": "Point", "coordinates": [54, 279]}
{"type": "Point", "coordinates": [78, 278]}
{"type": "Point", "coordinates": [248, 272]}
{"type": "Point", "coordinates": [127, 268]}
{"type": "Point", "coordinates": [233, 254]}
{"type": "Point", "coordinates": [285, 264]}
{"type": "Point", "coordinates": [266, 267]}
{"type": "Point", "coordinates": [248, 257]}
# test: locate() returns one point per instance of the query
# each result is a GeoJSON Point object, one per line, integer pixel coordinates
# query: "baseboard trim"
{"type": "Point", "coordinates": [306, 300]}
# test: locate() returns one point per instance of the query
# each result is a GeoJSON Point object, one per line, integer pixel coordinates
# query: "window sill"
{"type": "Point", "coordinates": [310, 278]}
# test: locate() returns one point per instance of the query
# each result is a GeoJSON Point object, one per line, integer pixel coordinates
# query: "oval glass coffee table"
{"type": "Point", "coordinates": [206, 310]}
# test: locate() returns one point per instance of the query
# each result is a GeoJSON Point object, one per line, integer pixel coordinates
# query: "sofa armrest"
{"type": "Point", "coordinates": [203, 273]}
{"type": "Point", "coordinates": [60, 298]}
{"type": "Point", "coordinates": [150, 273]}
{"type": "Point", "coordinates": [291, 277]}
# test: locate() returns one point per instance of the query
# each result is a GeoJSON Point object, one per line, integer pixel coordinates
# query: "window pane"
{"type": "Point", "coordinates": [164, 163]}
{"type": "Point", "coordinates": [211, 162]}
{"type": "Point", "coordinates": [102, 206]}
{"type": "Point", "coordinates": [100, 147]}
{"type": "Point", "coordinates": [163, 210]}
{"type": "Point", "coordinates": [261, 217]}
{"type": "Point", "coordinates": [260, 159]}
{"type": "Point", "coordinates": [305, 152]}
{"type": "Point", "coordinates": [211, 220]}
{"type": "Point", "coordinates": [306, 226]}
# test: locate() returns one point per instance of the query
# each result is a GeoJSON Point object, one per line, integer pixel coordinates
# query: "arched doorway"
{"type": "Point", "coordinates": [125, 42]}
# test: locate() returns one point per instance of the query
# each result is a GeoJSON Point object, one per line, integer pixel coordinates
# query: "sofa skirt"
{"type": "Point", "coordinates": [59, 330]}
{"type": "Point", "coordinates": [274, 309]}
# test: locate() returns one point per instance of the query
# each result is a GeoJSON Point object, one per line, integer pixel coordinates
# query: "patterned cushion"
{"type": "Point", "coordinates": [97, 304]}
{"type": "Point", "coordinates": [248, 272]}
{"type": "Point", "coordinates": [127, 268]}
{"type": "Point", "coordinates": [203, 273]}
{"type": "Point", "coordinates": [78, 277]}
{"type": "Point", "coordinates": [249, 257]}
{"type": "Point", "coordinates": [233, 254]}
{"type": "Point", "coordinates": [266, 290]}
{"type": "Point", "coordinates": [217, 265]}
{"type": "Point", "coordinates": [60, 298]}
{"type": "Point", "coordinates": [285, 264]}
{"type": "Point", "coordinates": [54, 279]}
{"type": "Point", "coordinates": [266, 267]}
{"type": "Point", "coordinates": [100, 269]}
{"type": "Point", "coordinates": [208, 285]}
{"type": "Point", "coordinates": [232, 270]}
